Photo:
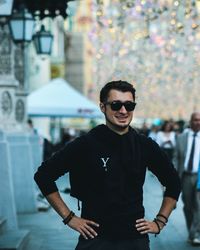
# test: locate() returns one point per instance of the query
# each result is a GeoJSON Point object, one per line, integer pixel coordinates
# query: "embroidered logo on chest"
{"type": "Point", "coordinates": [105, 160]}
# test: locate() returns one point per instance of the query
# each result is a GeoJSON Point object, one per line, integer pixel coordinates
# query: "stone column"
{"type": "Point", "coordinates": [22, 172]}
{"type": "Point", "coordinates": [13, 93]}
{"type": "Point", "coordinates": [7, 203]}
{"type": "Point", "coordinates": [8, 83]}
{"type": "Point", "coordinates": [21, 74]}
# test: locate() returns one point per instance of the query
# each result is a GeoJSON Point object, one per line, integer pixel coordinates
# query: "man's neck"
{"type": "Point", "coordinates": [118, 130]}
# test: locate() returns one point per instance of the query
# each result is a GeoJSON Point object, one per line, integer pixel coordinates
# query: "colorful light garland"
{"type": "Point", "coordinates": [153, 44]}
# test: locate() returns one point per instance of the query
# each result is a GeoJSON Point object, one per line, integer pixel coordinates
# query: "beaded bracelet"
{"type": "Point", "coordinates": [161, 221]}
{"type": "Point", "coordinates": [158, 226]}
{"type": "Point", "coordinates": [161, 215]}
{"type": "Point", "coordinates": [68, 218]}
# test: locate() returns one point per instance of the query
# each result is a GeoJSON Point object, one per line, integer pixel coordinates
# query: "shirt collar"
{"type": "Point", "coordinates": [191, 133]}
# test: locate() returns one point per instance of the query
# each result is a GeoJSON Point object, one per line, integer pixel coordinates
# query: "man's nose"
{"type": "Point", "coordinates": [123, 109]}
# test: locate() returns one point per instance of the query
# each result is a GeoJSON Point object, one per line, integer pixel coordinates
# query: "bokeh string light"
{"type": "Point", "coordinates": [153, 44]}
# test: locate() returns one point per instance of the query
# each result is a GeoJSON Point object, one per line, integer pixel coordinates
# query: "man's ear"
{"type": "Point", "coordinates": [102, 107]}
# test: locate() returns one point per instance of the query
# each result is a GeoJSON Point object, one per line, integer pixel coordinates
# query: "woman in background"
{"type": "Point", "coordinates": [166, 138]}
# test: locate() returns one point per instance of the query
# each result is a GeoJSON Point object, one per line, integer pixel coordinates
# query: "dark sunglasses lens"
{"type": "Point", "coordinates": [116, 106]}
{"type": "Point", "coordinates": [129, 106]}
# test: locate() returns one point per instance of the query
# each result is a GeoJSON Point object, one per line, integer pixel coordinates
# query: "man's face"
{"type": "Point", "coordinates": [118, 120]}
{"type": "Point", "coordinates": [195, 122]}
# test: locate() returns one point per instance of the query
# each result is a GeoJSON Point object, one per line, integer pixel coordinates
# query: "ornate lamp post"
{"type": "Point", "coordinates": [43, 41]}
{"type": "Point", "coordinates": [21, 25]}
{"type": "Point", "coordinates": [6, 8]}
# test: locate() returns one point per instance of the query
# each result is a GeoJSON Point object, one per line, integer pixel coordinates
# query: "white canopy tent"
{"type": "Point", "coordinates": [59, 99]}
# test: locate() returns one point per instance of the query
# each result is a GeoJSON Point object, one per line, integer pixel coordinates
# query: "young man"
{"type": "Point", "coordinates": [107, 170]}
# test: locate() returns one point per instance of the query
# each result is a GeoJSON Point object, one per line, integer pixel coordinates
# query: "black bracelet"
{"type": "Point", "coordinates": [158, 226]}
{"type": "Point", "coordinates": [161, 221]}
{"type": "Point", "coordinates": [68, 218]}
{"type": "Point", "coordinates": [161, 215]}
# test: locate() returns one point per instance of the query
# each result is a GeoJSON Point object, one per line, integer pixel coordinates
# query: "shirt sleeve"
{"type": "Point", "coordinates": [57, 165]}
{"type": "Point", "coordinates": [160, 165]}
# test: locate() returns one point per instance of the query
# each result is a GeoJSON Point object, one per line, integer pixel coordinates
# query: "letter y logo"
{"type": "Point", "coordinates": [105, 162]}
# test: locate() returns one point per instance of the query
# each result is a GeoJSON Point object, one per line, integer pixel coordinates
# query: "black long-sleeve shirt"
{"type": "Point", "coordinates": [107, 173]}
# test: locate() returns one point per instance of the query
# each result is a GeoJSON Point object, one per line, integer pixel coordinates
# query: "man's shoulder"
{"type": "Point", "coordinates": [183, 135]}
{"type": "Point", "coordinates": [143, 139]}
{"type": "Point", "coordinates": [135, 132]}
{"type": "Point", "coordinates": [78, 141]}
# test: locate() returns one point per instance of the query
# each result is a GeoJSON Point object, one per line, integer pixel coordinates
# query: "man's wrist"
{"type": "Point", "coordinates": [158, 226]}
{"type": "Point", "coordinates": [161, 225]}
{"type": "Point", "coordinates": [67, 219]}
{"type": "Point", "coordinates": [162, 217]}
{"type": "Point", "coordinates": [160, 221]}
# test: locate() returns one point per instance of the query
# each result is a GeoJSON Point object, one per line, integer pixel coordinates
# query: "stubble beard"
{"type": "Point", "coordinates": [116, 126]}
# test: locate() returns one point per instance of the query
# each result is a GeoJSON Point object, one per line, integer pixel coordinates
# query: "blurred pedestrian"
{"type": "Point", "coordinates": [186, 159]}
{"type": "Point", "coordinates": [65, 138]}
{"type": "Point", "coordinates": [144, 129]}
{"type": "Point", "coordinates": [31, 128]}
{"type": "Point", "coordinates": [166, 139]}
{"type": "Point", "coordinates": [107, 169]}
{"type": "Point", "coordinates": [154, 132]}
{"type": "Point", "coordinates": [47, 146]}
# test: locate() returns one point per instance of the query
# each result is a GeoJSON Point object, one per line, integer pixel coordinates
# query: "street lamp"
{"type": "Point", "coordinates": [5, 11]}
{"type": "Point", "coordinates": [6, 8]}
{"type": "Point", "coordinates": [21, 25]}
{"type": "Point", "coordinates": [43, 41]}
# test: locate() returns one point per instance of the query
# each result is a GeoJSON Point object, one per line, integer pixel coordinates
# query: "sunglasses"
{"type": "Point", "coordinates": [117, 105]}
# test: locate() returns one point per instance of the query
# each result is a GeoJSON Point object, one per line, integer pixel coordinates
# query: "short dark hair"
{"type": "Point", "coordinates": [164, 125]}
{"type": "Point", "coordinates": [120, 85]}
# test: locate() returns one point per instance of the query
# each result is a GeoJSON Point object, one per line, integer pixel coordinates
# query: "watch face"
{"type": "Point", "coordinates": [19, 111]}
{"type": "Point", "coordinates": [6, 103]}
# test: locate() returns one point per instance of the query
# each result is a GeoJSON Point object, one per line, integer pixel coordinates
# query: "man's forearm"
{"type": "Point", "coordinates": [58, 204]}
{"type": "Point", "coordinates": [168, 204]}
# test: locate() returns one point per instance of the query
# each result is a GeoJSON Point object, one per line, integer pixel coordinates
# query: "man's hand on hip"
{"type": "Point", "coordinates": [144, 226]}
{"type": "Point", "coordinates": [83, 226]}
